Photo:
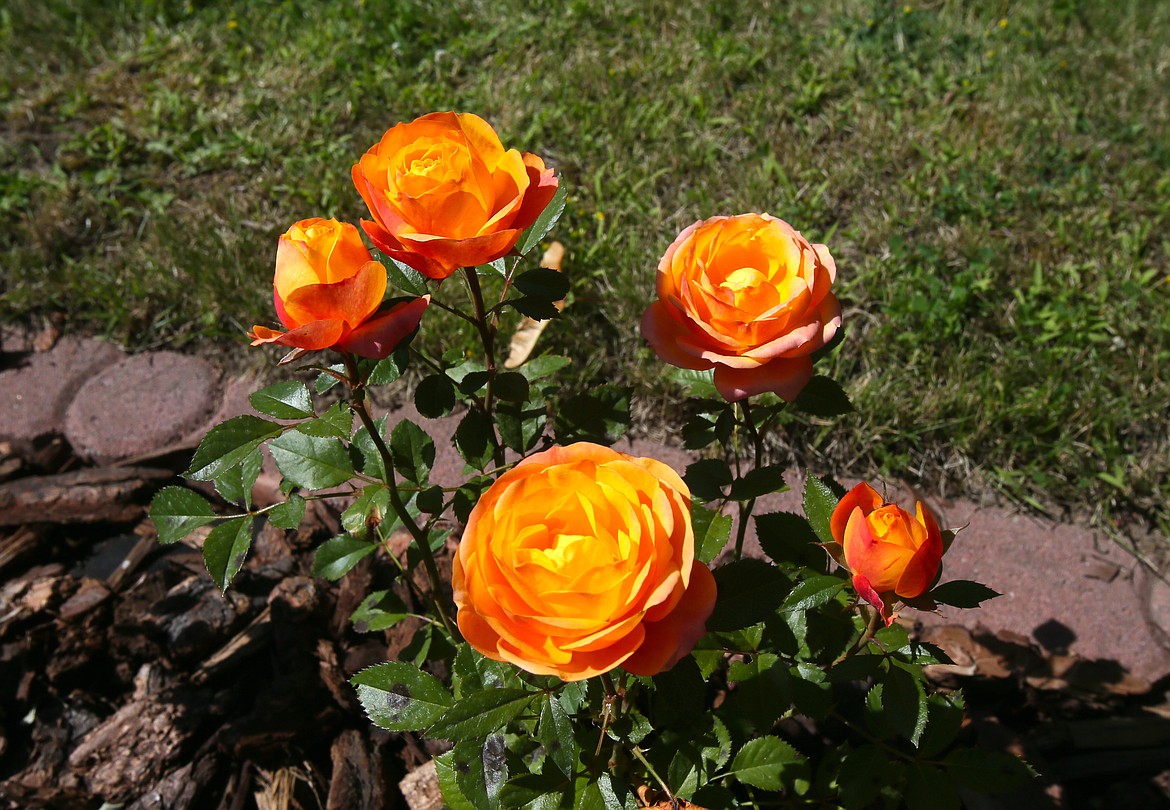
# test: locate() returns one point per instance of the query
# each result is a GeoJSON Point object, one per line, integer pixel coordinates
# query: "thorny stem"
{"type": "Point", "coordinates": [357, 387]}
{"type": "Point", "coordinates": [487, 336]}
{"type": "Point", "coordinates": [637, 752]}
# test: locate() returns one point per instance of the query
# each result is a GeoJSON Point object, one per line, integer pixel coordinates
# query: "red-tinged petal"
{"type": "Point", "coordinates": [785, 376]}
{"type": "Point", "coordinates": [542, 186]}
{"type": "Point", "coordinates": [451, 254]}
{"type": "Point", "coordinates": [311, 336]}
{"type": "Point", "coordinates": [668, 640]}
{"type": "Point", "coordinates": [351, 300]}
{"type": "Point", "coordinates": [669, 338]}
{"type": "Point", "coordinates": [863, 496]}
{"type": "Point", "coordinates": [867, 592]}
{"type": "Point", "coordinates": [380, 335]}
{"type": "Point", "coordinates": [281, 313]}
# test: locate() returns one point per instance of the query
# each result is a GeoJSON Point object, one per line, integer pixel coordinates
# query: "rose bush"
{"type": "Point", "coordinates": [328, 293]}
{"type": "Point", "coordinates": [891, 553]}
{"type": "Point", "coordinates": [445, 194]}
{"type": "Point", "coordinates": [747, 296]}
{"type": "Point", "coordinates": [581, 559]}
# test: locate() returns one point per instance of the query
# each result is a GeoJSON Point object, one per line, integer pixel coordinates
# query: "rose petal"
{"type": "Point", "coordinates": [668, 640]}
{"type": "Point", "coordinates": [786, 377]}
{"type": "Point", "coordinates": [380, 335]}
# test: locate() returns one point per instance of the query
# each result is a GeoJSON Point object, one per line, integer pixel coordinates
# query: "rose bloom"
{"type": "Point", "coordinates": [328, 294]}
{"type": "Point", "coordinates": [747, 296]}
{"type": "Point", "coordinates": [445, 194]}
{"type": "Point", "coordinates": [581, 559]}
{"type": "Point", "coordinates": [891, 553]}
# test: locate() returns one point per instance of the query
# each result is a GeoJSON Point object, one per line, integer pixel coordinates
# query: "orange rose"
{"type": "Point", "coordinates": [445, 194]}
{"type": "Point", "coordinates": [890, 552]}
{"type": "Point", "coordinates": [328, 292]}
{"type": "Point", "coordinates": [580, 559]}
{"type": "Point", "coordinates": [747, 296]}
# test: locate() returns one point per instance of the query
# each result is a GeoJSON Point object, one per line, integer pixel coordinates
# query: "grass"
{"type": "Point", "coordinates": [993, 179]}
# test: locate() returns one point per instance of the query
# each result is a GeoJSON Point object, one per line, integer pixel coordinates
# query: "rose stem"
{"type": "Point", "coordinates": [487, 336]}
{"type": "Point", "coordinates": [357, 387]}
{"type": "Point", "coordinates": [745, 508]}
{"type": "Point", "coordinates": [637, 752]}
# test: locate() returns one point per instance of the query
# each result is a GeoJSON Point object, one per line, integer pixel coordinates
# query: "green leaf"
{"type": "Point", "coordinates": [405, 277]}
{"type": "Point", "coordinates": [823, 397]}
{"type": "Point", "coordinates": [284, 400]}
{"type": "Point", "coordinates": [378, 611]}
{"type": "Point", "coordinates": [929, 789]}
{"type": "Point", "coordinates": [679, 695]}
{"type": "Point", "coordinates": [413, 452]}
{"type": "Point", "coordinates": [944, 722]}
{"type": "Point", "coordinates": [536, 791]}
{"type": "Point", "coordinates": [712, 531]}
{"type": "Point", "coordinates": [698, 432]}
{"type": "Point", "coordinates": [819, 502]}
{"type": "Point", "coordinates": [789, 539]}
{"type": "Point", "coordinates": [430, 500]}
{"type": "Point", "coordinates": [481, 713]}
{"type": "Point", "coordinates": [398, 696]}
{"type": "Point", "coordinates": [535, 308]}
{"type": "Point", "coordinates": [600, 415]}
{"type": "Point", "coordinates": [511, 386]}
{"type": "Point", "coordinates": [522, 424]}
{"type": "Point", "coordinates": [326, 381]}
{"type": "Point", "coordinates": [335, 557]}
{"type": "Point", "coordinates": [235, 483]}
{"type": "Point", "coordinates": [761, 762]}
{"type": "Point", "coordinates": [545, 222]}
{"type": "Point", "coordinates": [336, 422]}
{"type": "Point", "coordinates": [698, 384]}
{"type": "Point", "coordinates": [370, 457]}
{"type": "Point", "coordinates": [862, 774]}
{"type": "Point", "coordinates": [373, 500]}
{"type": "Point", "coordinates": [545, 365]}
{"type": "Point", "coordinates": [473, 438]}
{"type": "Point", "coordinates": [453, 798]}
{"type": "Point", "coordinates": [554, 731]}
{"type": "Point", "coordinates": [758, 482]}
{"type": "Point", "coordinates": [391, 368]}
{"type": "Point", "coordinates": [227, 444]}
{"type": "Point", "coordinates": [748, 592]}
{"type": "Point", "coordinates": [481, 769]}
{"type": "Point", "coordinates": [225, 549]}
{"type": "Point", "coordinates": [310, 462]}
{"type": "Point", "coordinates": [962, 593]}
{"type": "Point", "coordinates": [707, 477]}
{"type": "Point", "coordinates": [288, 515]}
{"type": "Point", "coordinates": [615, 796]}
{"type": "Point", "coordinates": [177, 511]}
{"type": "Point", "coordinates": [435, 396]}
{"type": "Point", "coordinates": [542, 284]}
{"type": "Point", "coordinates": [987, 771]}
{"type": "Point", "coordinates": [814, 592]}
{"type": "Point", "coordinates": [904, 704]}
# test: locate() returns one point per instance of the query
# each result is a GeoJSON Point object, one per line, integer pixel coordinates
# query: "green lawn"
{"type": "Point", "coordinates": [993, 179]}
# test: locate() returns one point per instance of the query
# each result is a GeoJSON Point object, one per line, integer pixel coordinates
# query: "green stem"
{"type": "Point", "coordinates": [487, 336]}
{"type": "Point", "coordinates": [637, 752]}
{"type": "Point", "coordinates": [746, 507]}
{"type": "Point", "coordinates": [357, 387]}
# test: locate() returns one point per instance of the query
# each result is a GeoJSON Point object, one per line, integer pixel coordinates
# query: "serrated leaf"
{"type": "Point", "coordinates": [288, 515]}
{"type": "Point", "coordinates": [761, 762]}
{"type": "Point", "coordinates": [371, 459]}
{"type": "Point", "coordinates": [398, 696]}
{"type": "Point", "coordinates": [904, 704]}
{"type": "Point", "coordinates": [481, 713]}
{"type": "Point", "coordinates": [748, 591]}
{"type": "Point", "coordinates": [962, 593]}
{"type": "Point", "coordinates": [944, 722]}
{"type": "Point", "coordinates": [336, 556]}
{"type": "Point", "coordinates": [712, 530]}
{"type": "Point", "coordinates": [758, 482]}
{"type": "Point", "coordinates": [284, 400]}
{"type": "Point", "coordinates": [177, 511]}
{"type": "Point", "coordinates": [707, 477]}
{"type": "Point", "coordinates": [413, 452]}
{"type": "Point", "coordinates": [225, 549]}
{"type": "Point", "coordinates": [987, 771]}
{"type": "Point", "coordinates": [819, 503]}
{"type": "Point", "coordinates": [235, 483]}
{"type": "Point", "coordinates": [227, 444]}
{"type": "Point", "coordinates": [679, 695]}
{"type": "Point", "coordinates": [405, 277]}
{"type": "Point", "coordinates": [311, 462]}
{"type": "Point", "coordinates": [814, 592]}
{"type": "Point", "coordinates": [391, 368]}
{"type": "Point", "coordinates": [481, 770]}
{"type": "Point", "coordinates": [788, 538]}
{"type": "Point", "coordinates": [378, 611]}
{"type": "Point", "coordinates": [337, 421]}
{"type": "Point", "coordinates": [823, 397]}
{"type": "Point", "coordinates": [326, 381]}
{"type": "Point", "coordinates": [473, 438]}
{"type": "Point", "coordinates": [615, 796]}
{"type": "Point", "coordinates": [511, 386]}
{"type": "Point", "coordinates": [453, 798]}
{"type": "Point", "coordinates": [536, 791]}
{"type": "Point", "coordinates": [435, 396]}
{"type": "Point", "coordinates": [554, 730]}
{"type": "Point", "coordinates": [545, 222]}
{"type": "Point", "coordinates": [862, 774]}
{"type": "Point", "coordinates": [542, 284]}
{"type": "Point", "coordinates": [537, 368]}
{"type": "Point", "coordinates": [535, 308]}
{"type": "Point", "coordinates": [698, 384]}
{"type": "Point", "coordinates": [599, 415]}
